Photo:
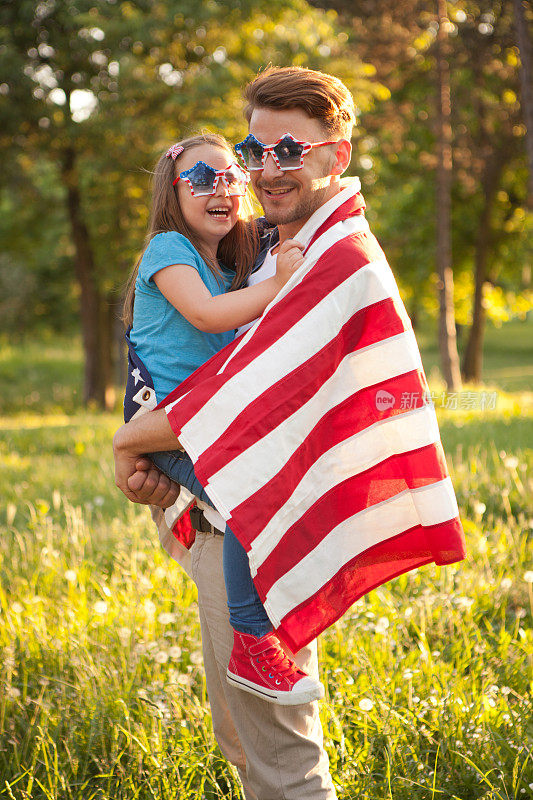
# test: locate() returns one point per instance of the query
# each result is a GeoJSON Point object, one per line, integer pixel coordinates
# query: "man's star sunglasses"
{"type": "Point", "coordinates": [203, 179]}
{"type": "Point", "coordinates": [287, 152]}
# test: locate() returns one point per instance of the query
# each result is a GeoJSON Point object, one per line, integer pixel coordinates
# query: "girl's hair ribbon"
{"type": "Point", "coordinates": [174, 151]}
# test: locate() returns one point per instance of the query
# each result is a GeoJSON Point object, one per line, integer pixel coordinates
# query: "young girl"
{"type": "Point", "coordinates": [183, 305]}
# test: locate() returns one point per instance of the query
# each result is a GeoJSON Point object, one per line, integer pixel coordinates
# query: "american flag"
{"type": "Point", "coordinates": [313, 436]}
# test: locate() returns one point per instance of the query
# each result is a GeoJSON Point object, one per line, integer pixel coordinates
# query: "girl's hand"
{"type": "Point", "coordinates": [289, 259]}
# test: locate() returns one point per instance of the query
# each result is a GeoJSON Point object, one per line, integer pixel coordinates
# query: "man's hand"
{"type": "Point", "coordinates": [152, 486]}
{"type": "Point", "coordinates": [148, 484]}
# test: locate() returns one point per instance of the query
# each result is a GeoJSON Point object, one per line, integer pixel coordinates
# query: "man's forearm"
{"type": "Point", "coordinates": [147, 434]}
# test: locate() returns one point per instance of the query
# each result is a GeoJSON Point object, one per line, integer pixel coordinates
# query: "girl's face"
{"type": "Point", "coordinates": [210, 217]}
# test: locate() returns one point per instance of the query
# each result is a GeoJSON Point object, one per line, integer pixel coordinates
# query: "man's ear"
{"type": "Point", "coordinates": [343, 156]}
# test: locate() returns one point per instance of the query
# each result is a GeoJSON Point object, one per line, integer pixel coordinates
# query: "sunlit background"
{"type": "Point", "coordinates": [101, 685]}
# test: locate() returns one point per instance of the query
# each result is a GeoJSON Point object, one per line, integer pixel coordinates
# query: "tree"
{"type": "Point", "coordinates": [447, 337]}
{"type": "Point", "coordinates": [523, 36]}
{"type": "Point", "coordinates": [98, 89]}
{"type": "Point", "coordinates": [397, 148]}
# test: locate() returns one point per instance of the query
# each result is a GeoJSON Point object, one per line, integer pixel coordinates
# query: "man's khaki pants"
{"type": "Point", "coordinates": [277, 749]}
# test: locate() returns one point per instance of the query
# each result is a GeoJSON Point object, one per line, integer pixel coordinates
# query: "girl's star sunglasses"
{"type": "Point", "coordinates": [287, 152]}
{"type": "Point", "coordinates": [203, 179]}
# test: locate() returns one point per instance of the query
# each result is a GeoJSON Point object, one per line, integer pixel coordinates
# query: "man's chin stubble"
{"type": "Point", "coordinates": [301, 211]}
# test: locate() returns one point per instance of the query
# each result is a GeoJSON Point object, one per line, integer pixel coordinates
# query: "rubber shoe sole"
{"type": "Point", "coordinates": [314, 691]}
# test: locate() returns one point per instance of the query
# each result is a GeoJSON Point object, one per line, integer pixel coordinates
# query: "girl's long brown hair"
{"type": "Point", "coordinates": [237, 250]}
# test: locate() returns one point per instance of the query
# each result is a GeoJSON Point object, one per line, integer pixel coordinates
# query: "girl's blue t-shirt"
{"type": "Point", "coordinates": [170, 347]}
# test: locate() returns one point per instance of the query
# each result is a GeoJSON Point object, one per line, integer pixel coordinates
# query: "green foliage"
{"type": "Point", "coordinates": [148, 73]}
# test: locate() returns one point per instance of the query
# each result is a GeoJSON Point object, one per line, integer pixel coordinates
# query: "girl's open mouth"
{"type": "Point", "coordinates": [219, 212]}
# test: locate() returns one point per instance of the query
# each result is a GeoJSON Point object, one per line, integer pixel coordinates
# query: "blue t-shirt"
{"type": "Point", "coordinates": [170, 347]}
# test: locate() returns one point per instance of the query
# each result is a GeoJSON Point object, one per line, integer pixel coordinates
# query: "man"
{"type": "Point", "coordinates": [339, 327]}
{"type": "Point", "coordinates": [277, 750]}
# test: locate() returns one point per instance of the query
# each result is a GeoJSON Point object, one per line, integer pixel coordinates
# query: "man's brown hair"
{"type": "Point", "coordinates": [321, 96]}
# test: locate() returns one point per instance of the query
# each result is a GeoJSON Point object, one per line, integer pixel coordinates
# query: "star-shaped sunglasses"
{"type": "Point", "coordinates": [287, 152]}
{"type": "Point", "coordinates": [203, 179]}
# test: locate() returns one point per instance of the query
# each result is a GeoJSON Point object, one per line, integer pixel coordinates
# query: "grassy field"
{"type": "Point", "coordinates": [101, 687]}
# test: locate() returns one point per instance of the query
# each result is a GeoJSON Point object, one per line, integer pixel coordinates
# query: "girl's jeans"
{"type": "Point", "coordinates": [246, 611]}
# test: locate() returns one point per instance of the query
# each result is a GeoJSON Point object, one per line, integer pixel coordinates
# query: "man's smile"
{"type": "Point", "coordinates": [273, 190]}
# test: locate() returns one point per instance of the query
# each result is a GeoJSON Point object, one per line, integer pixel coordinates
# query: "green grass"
{"type": "Point", "coordinates": [507, 354]}
{"type": "Point", "coordinates": [102, 692]}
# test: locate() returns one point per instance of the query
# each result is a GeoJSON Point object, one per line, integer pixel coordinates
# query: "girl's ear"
{"type": "Point", "coordinates": [343, 156]}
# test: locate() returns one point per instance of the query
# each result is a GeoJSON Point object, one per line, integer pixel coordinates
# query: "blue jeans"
{"type": "Point", "coordinates": [246, 611]}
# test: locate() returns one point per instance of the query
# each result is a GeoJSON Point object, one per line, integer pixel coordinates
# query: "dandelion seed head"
{"type": "Point", "coordinates": [366, 704]}
{"type": "Point", "coordinates": [382, 625]}
{"type": "Point", "coordinates": [17, 608]}
{"type": "Point", "coordinates": [528, 576]}
{"type": "Point", "coordinates": [149, 608]}
{"type": "Point", "coordinates": [100, 607]}
{"type": "Point", "coordinates": [167, 618]}
{"type": "Point", "coordinates": [70, 576]}
{"type": "Point", "coordinates": [124, 635]}
{"type": "Point", "coordinates": [175, 652]}
{"type": "Point", "coordinates": [161, 657]}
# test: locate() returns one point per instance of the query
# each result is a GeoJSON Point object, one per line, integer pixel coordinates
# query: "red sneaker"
{"type": "Point", "coordinates": [262, 667]}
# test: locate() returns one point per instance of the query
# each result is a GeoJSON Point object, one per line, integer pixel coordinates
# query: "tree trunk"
{"type": "Point", "coordinates": [526, 80]}
{"type": "Point", "coordinates": [447, 335]}
{"type": "Point", "coordinates": [473, 356]}
{"type": "Point", "coordinates": [97, 354]}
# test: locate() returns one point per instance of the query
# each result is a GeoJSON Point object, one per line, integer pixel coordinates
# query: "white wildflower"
{"type": "Point", "coordinates": [479, 508]}
{"type": "Point", "coordinates": [366, 704]}
{"type": "Point", "coordinates": [124, 635]}
{"type": "Point", "coordinates": [167, 618]}
{"type": "Point", "coordinates": [161, 657]}
{"type": "Point", "coordinates": [149, 608]}
{"type": "Point", "coordinates": [382, 624]}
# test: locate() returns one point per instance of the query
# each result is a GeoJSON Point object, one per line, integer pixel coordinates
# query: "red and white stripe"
{"type": "Point", "coordinates": [330, 493]}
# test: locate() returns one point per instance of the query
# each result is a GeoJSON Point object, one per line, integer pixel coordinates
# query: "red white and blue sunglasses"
{"type": "Point", "coordinates": [203, 179]}
{"type": "Point", "coordinates": [287, 152]}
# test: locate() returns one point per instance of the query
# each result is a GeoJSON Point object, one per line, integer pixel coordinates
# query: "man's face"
{"type": "Point", "coordinates": [290, 197]}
